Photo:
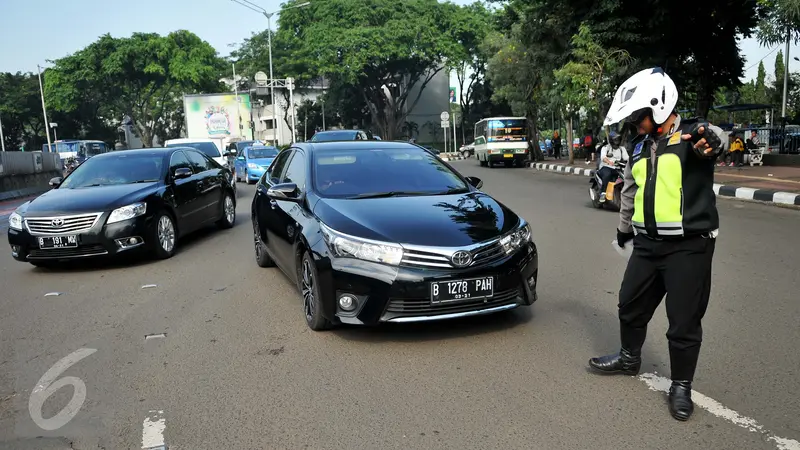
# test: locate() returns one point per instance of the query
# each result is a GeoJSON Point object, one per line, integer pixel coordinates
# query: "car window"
{"type": "Point", "coordinates": [343, 173]}
{"type": "Point", "coordinates": [296, 171]}
{"type": "Point", "coordinates": [261, 152]}
{"type": "Point", "coordinates": [199, 162]}
{"type": "Point", "coordinates": [178, 161]}
{"type": "Point", "coordinates": [342, 135]}
{"type": "Point", "coordinates": [209, 148]}
{"type": "Point", "coordinates": [276, 170]}
{"type": "Point", "coordinates": [118, 168]}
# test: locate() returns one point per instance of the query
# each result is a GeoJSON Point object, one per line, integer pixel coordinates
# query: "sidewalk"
{"type": "Point", "coordinates": [777, 184]}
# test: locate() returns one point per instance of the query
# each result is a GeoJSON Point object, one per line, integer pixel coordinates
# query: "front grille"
{"type": "Point", "coordinates": [86, 250]}
{"type": "Point", "coordinates": [480, 256]}
{"type": "Point", "coordinates": [61, 225]}
{"type": "Point", "coordinates": [406, 307]}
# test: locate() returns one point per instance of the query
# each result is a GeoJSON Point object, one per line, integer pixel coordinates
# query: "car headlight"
{"type": "Point", "coordinates": [516, 239]}
{"type": "Point", "coordinates": [15, 221]}
{"type": "Point", "coordinates": [127, 212]}
{"type": "Point", "coordinates": [252, 166]}
{"type": "Point", "coordinates": [346, 246]}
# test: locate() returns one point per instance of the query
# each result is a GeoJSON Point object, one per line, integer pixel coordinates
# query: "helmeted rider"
{"type": "Point", "coordinates": [668, 200]}
{"type": "Point", "coordinates": [610, 154]}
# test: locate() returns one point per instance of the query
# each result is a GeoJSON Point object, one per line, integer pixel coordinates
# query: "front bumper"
{"type": "Point", "coordinates": [255, 174]}
{"type": "Point", "coordinates": [508, 156]}
{"type": "Point", "coordinates": [402, 294]}
{"type": "Point", "coordinates": [99, 241]}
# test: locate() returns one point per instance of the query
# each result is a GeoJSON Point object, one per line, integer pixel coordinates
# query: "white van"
{"type": "Point", "coordinates": [215, 148]}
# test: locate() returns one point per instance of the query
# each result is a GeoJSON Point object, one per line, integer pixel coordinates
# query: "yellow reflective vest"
{"type": "Point", "coordinates": [675, 187]}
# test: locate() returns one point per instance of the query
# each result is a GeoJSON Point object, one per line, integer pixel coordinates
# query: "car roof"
{"type": "Point", "coordinates": [186, 140]}
{"type": "Point", "coordinates": [355, 145]}
{"type": "Point", "coordinates": [155, 150]}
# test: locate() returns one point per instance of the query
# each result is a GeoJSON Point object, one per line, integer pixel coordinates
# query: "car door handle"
{"type": "Point", "coordinates": [273, 204]}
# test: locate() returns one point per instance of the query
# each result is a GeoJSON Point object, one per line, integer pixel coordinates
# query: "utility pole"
{"type": "Point", "coordinates": [2, 139]}
{"type": "Point", "coordinates": [44, 111]}
{"type": "Point", "coordinates": [785, 91]}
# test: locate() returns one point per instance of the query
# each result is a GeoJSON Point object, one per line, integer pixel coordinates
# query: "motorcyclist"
{"type": "Point", "coordinates": [610, 154]}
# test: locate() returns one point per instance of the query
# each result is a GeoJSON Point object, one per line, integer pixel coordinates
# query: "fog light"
{"type": "Point", "coordinates": [347, 302]}
{"type": "Point", "coordinates": [129, 242]}
{"type": "Point", "coordinates": [532, 283]}
{"type": "Point", "coordinates": [15, 250]}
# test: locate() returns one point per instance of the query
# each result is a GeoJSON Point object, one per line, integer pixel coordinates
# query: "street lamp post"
{"type": "Point", "coordinates": [54, 126]}
{"type": "Point", "coordinates": [2, 139]}
{"type": "Point", "coordinates": [250, 5]}
{"type": "Point", "coordinates": [44, 110]}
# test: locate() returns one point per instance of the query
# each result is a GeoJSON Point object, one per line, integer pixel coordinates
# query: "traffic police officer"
{"type": "Point", "coordinates": [669, 210]}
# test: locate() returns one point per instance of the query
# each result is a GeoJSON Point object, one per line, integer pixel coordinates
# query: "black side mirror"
{"type": "Point", "coordinates": [476, 182]}
{"type": "Point", "coordinates": [55, 182]}
{"type": "Point", "coordinates": [286, 191]}
{"type": "Point", "coordinates": [183, 172]}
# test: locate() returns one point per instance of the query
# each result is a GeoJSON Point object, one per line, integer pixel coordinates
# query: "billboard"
{"type": "Point", "coordinates": [453, 95]}
{"type": "Point", "coordinates": [217, 116]}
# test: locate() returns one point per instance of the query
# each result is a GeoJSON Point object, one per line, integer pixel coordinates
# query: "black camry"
{"type": "Point", "coordinates": [381, 231]}
{"type": "Point", "coordinates": [124, 201]}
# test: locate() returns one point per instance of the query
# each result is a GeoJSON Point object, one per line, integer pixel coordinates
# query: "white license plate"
{"type": "Point", "coordinates": [58, 242]}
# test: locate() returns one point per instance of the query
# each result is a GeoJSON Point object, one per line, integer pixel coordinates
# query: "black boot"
{"type": "Point", "coordinates": [680, 400]}
{"type": "Point", "coordinates": [622, 363]}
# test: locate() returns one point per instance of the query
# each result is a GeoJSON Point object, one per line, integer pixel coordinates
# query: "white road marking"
{"type": "Point", "coordinates": [148, 286]}
{"type": "Point", "coordinates": [659, 383]}
{"type": "Point", "coordinates": [52, 294]}
{"type": "Point", "coordinates": [153, 430]}
{"type": "Point", "coordinates": [154, 336]}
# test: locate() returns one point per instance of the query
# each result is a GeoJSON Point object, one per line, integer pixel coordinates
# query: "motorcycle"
{"type": "Point", "coordinates": [613, 191]}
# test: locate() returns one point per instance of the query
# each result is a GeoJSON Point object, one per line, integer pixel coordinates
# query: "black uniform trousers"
{"type": "Point", "coordinates": [681, 269]}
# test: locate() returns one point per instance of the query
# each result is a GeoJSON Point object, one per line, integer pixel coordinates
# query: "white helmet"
{"type": "Point", "coordinates": [650, 88]}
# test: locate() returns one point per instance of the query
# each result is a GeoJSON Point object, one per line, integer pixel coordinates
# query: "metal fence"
{"type": "Point", "coordinates": [22, 163]}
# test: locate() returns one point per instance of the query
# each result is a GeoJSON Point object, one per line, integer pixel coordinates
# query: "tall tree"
{"type": "Point", "coordinates": [138, 77]}
{"type": "Point", "coordinates": [21, 111]}
{"type": "Point", "coordinates": [386, 48]}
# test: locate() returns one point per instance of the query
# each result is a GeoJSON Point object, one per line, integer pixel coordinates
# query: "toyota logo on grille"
{"type": "Point", "coordinates": [461, 258]}
{"type": "Point", "coordinates": [56, 223]}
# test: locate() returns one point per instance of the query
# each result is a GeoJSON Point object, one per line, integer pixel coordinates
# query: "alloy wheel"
{"type": "Point", "coordinates": [166, 233]}
{"type": "Point", "coordinates": [230, 210]}
{"type": "Point", "coordinates": [307, 283]}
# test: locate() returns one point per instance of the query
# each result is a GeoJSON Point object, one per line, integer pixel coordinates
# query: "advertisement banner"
{"type": "Point", "coordinates": [217, 115]}
{"type": "Point", "coordinates": [453, 98]}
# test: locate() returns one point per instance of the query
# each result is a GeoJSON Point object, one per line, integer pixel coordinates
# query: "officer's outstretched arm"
{"type": "Point", "coordinates": [629, 188]}
{"type": "Point", "coordinates": [707, 140]}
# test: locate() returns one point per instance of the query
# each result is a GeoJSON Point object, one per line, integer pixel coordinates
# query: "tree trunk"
{"type": "Point", "coordinates": [705, 96]}
{"type": "Point", "coordinates": [570, 149]}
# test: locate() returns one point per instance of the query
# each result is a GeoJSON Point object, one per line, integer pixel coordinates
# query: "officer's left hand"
{"type": "Point", "coordinates": [706, 144]}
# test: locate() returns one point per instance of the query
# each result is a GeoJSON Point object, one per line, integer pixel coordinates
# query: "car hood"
{"type": "Point", "coordinates": [261, 161]}
{"type": "Point", "coordinates": [438, 220]}
{"type": "Point", "coordinates": [90, 199]}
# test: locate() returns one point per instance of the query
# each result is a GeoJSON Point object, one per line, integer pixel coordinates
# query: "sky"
{"type": "Point", "coordinates": [35, 31]}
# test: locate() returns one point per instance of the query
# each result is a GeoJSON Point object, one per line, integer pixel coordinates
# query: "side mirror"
{"type": "Point", "coordinates": [183, 172]}
{"type": "Point", "coordinates": [229, 153]}
{"type": "Point", "coordinates": [55, 182]}
{"type": "Point", "coordinates": [476, 182]}
{"type": "Point", "coordinates": [285, 191]}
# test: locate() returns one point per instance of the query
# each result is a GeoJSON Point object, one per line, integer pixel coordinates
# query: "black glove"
{"type": "Point", "coordinates": [622, 238]}
{"type": "Point", "coordinates": [712, 140]}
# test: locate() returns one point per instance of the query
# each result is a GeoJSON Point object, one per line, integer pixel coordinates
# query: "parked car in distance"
{"type": "Point", "coordinates": [253, 161]}
{"type": "Point", "coordinates": [467, 150]}
{"type": "Point", "coordinates": [341, 135]}
{"type": "Point", "coordinates": [384, 231]}
{"type": "Point", "coordinates": [124, 201]}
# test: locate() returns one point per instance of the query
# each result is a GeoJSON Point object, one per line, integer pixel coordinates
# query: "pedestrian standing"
{"type": "Point", "coordinates": [669, 211]}
{"type": "Point", "coordinates": [556, 145]}
{"type": "Point", "coordinates": [588, 146]}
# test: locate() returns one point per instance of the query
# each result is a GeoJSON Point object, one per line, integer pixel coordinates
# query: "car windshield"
{"type": "Point", "coordinates": [262, 152]}
{"type": "Point", "coordinates": [334, 136]}
{"type": "Point", "coordinates": [117, 168]}
{"type": "Point", "coordinates": [353, 173]}
{"type": "Point", "coordinates": [209, 148]}
{"type": "Point", "coordinates": [241, 145]}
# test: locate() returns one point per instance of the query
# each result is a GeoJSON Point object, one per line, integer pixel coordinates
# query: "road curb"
{"type": "Point", "coordinates": [452, 158]}
{"type": "Point", "coordinates": [740, 192]}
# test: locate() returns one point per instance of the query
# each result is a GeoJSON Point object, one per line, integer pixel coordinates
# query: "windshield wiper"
{"type": "Point", "coordinates": [453, 191]}
{"type": "Point", "coordinates": [389, 194]}
{"type": "Point", "coordinates": [143, 181]}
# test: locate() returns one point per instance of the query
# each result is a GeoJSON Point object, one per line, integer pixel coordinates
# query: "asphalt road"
{"type": "Point", "coordinates": [238, 368]}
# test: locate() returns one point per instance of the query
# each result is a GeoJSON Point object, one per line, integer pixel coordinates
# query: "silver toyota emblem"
{"type": "Point", "coordinates": [461, 258]}
{"type": "Point", "coordinates": [57, 222]}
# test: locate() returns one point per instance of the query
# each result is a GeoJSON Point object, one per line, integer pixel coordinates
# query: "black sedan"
{"type": "Point", "coordinates": [387, 232]}
{"type": "Point", "coordinates": [123, 201]}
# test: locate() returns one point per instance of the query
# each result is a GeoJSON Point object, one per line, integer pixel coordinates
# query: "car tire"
{"type": "Point", "coordinates": [307, 277]}
{"type": "Point", "coordinates": [164, 236]}
{"type": "Point", "coordinates": [465, 155]}
{"type": "Point", "coordinates": [228, 206]}
{"type": "Point", "coordinates": [262, 257]}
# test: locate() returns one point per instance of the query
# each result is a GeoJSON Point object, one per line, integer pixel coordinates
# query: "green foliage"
{"type": "Point", "coordinates": [384, 48]}
{"type": "Point", "coordinates": [21, 111]}
{"type": "Point", "coordinates": [141, 77]}
{"type": "Point", "coordinates": [781, 20]}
